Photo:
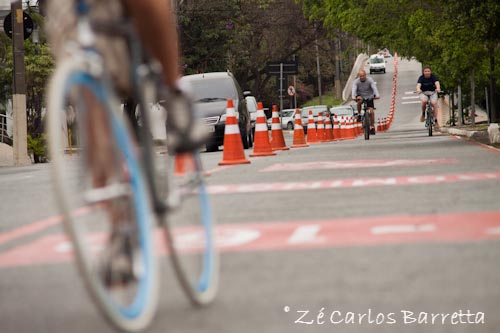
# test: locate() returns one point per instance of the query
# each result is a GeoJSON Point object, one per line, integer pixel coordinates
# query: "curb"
{"type": "Point", "coordinates": [478, 136]}
{"type": "Point", "coordinates": [461, 132]}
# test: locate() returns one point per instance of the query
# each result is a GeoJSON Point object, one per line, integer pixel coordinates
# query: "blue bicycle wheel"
{"type": "Point", "coordinates": [189, 226]}
{"type": "Point", "coordinates": [103, 197]}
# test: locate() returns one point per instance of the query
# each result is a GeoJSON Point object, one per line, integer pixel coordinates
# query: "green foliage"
{"type": "Point", "coordinates": [37, 147]}
{"type": "Point", "coordinates": [328, 99]}
{"type": "Point", "coordinates": [39, 65]}
{"type": "Point", "coordinates": [453, 36]}
{"type": "Point", "coordinates": [243, 35]}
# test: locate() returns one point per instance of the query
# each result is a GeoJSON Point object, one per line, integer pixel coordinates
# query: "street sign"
{"type": "Point", "coordinates": [27, 24]}
{"type": "Point", "coordinates": [289, 68]}
{"type": "Point", "coordinates": [281, 87]}
{"type": "Point", "coordinates": [291, 91]}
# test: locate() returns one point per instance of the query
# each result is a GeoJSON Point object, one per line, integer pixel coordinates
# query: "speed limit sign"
{"type": "Point", "coordinates": [291, 91]}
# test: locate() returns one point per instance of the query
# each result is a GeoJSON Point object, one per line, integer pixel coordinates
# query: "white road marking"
{"type": "Point", "coordinates": [402, 229]}
{"type": "Point", "coordinates": [413, 102]}
{"type": "Point", "coordinates": [305, 234]}
{"type": "Point", "coordinates": [493, 231]}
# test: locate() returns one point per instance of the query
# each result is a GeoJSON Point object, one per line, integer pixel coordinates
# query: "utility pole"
{"type": "Point", "coordinates": [317, 64]}
{"type": "Point", "coordinates": [460, 110]}
{"type": "Point", "coordinates": [319, 72]}
{"type": "Point", "coordinates": [338, 88]}
{"type": "Point", "coordinates": [19, 87]}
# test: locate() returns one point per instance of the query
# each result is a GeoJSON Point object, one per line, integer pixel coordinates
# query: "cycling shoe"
{"type": "Point", "coordinates": [185, 132]}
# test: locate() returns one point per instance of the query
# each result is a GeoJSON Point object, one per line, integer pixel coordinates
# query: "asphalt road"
{"type": "Point", "coordinates": [396, 234]}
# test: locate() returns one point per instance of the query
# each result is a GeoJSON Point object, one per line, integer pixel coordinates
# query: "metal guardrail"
{"type": "Point", "coordinates": [3, 127]}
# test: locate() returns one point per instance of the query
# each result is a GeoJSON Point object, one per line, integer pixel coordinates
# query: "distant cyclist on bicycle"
{"type": "Point", "coordinates": [428, 82]}
{"type": "Point", "coordinates": [365, 88]}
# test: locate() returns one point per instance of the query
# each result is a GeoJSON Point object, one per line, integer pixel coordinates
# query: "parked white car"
{"type": "Point", "coordinates": [252, 109]}
{"type": "Point", "coordinates": [287, 119]}
{"type": "Point", "coordinates": [343, 110]}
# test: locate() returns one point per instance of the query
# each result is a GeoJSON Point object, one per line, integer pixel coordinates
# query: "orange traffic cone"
{"type": "Point", "coordinates": [337, 134]}
{"type": "Point", "coordinates": [328, 129]}
{"type": "Point", "coordinates": [312, 135]}
{"type": "Point", "coordinates": [233, 146]}
{"type": "Point", "coordinates": [356, 127]}
{"type": "Point", "coordinates": [299, 138]}
{"type": "Point", "coordinates": [343, 128]}
{"type": "Point", "coordinates": [277, 138]}
{"type": "Point", "coordinates": [261, 144]}
{"type": "Point", "coordinates": [182, 163]}
{"type": "Point", "coordinates": [352, 127]}
{"type": "Point", "coordinates": [321, 128]}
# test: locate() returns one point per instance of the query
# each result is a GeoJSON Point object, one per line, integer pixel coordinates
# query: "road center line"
{"type": "Point", "coordinates": [402, 228]}
{"type": "Point", "coordinates": [329, 165]}
{"type": "Point", "coordinates": [304, 234]}
{"type": "Point", "coordinates": [351, 183]}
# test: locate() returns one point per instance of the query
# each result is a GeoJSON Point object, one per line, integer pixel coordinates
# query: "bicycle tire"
{"type": "Point", "coordinates": [366, 125]}
{"type": "Point", "coordinates": [189, 230]}
{"type": "Point", "coordinates": [129, 308]}
{"type": "Point", "coordinates": [430, 122]}
{"type": "Point", "coordinates": [179, 187]}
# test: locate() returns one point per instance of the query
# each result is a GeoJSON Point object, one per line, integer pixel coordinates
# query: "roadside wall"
{"type": "Point", "coordinates": [358, 65]}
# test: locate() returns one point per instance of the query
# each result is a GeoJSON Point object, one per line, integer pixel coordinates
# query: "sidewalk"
{"type": "Point", "coordinates": [481, 132]}
{"type": "Point", "coordinates": [6, 155]}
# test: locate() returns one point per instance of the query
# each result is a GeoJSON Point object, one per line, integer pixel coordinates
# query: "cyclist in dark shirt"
{"type": "Point", "coordinates": [428, 82]}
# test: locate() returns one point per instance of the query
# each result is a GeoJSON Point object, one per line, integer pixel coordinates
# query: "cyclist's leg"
{"type": "Point", "coordinates": [359, 102]}
{"type": "Point", "coordinates": [99, 161]}
{"type": "Point", "coordinates": [102, 166]}
{"type": "Point", "coordinates": [155, 22]}
{"type": "Point", "coordinates": [372, 117]}
{"type": "Point", "coordinates": [423, 100]}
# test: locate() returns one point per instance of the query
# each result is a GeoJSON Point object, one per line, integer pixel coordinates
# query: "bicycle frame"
{"type": "Point", "coordinates": [366, 118]}
{"type": "Point", "coordinates": [132, 186]}
{"type": "Point", "coordinates": [141, 70]}
{"type": "Point", "coordinates": [429, 113]}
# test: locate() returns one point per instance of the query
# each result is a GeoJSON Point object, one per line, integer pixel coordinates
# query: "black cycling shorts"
{"type": "Point", "coordinates": [369, 103]}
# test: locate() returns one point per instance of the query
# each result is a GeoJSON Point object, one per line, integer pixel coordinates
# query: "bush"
{"type": "Point", "coordinates": [37, 147]}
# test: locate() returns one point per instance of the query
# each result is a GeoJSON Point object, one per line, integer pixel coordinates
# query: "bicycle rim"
{"type": "Point", "coordinates": [189, 229]}
{"type": "Point", "coordinates": [91, 197]}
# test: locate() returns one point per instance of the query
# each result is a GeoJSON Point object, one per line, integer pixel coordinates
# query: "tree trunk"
{"type": "Point", "coordinates": [472, 114]}
{"type": "Point", "coordinates": [338, 84]}
{"type": "Point", "coordinates": [460, 108]}
{"type": "Point", "coordinates": [452, 104]}
{"type": "Point", "coordinates": [494, 113]}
